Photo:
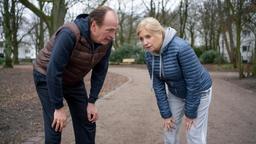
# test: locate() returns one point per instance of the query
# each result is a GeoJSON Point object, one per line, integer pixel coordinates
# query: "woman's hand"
{"type": "Point", "coordinates": [169, 124]}
{"type": "Point", "coordinates": [59, 119]}
{"type": "Point", "coordinates": [188, 123]}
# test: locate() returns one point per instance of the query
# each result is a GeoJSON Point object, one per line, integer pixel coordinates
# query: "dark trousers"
{"type": "Point", "coordinates": [77, 100]}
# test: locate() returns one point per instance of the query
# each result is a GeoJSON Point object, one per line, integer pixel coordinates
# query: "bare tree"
{"type": "Point", "coordinates": [192, 22]}
{"type": "Point", "coordinates": [7, 34]}
{"type": "Point", "coordinates": [183, 15]}
{"type": "Point", "coordinates": [55, 19]}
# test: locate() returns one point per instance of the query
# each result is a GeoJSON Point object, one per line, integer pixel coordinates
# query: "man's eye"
{"type": "Point", "coordinates": [110, 30]}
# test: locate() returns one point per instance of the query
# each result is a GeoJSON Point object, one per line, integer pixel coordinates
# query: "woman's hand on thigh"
{"type": "Point", "coordinates": [169, 123]}
{"type": "Point", "coordinates": [188, 123]}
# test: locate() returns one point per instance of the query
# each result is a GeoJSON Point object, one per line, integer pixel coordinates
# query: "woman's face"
{"type": "Point", "coordinates": [151, 42]}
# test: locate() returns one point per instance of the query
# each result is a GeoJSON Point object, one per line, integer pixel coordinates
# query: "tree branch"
{"type": "Point", "coordinates": [36, 11]}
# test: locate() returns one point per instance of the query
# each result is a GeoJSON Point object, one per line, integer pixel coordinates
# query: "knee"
{"type": "Point", "coordinates": [52, 138]}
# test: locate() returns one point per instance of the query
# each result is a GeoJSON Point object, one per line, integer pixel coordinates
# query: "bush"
{"type": "Point", "coordinates": [127, 51]}
{"type": "Point", "coordinates": [198, 52]}
{"type": "Point", "coordinates": [212, 56]}
{"type": "Point", "coordinates": [219, 59]}
{"type": "Point", "coordinates": [208, 57]}
{"type": "Point", "coordinates": [1, 60]}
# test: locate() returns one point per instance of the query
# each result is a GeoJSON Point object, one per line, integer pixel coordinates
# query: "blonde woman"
{"type": "Point", "coordinates": [172, 62]}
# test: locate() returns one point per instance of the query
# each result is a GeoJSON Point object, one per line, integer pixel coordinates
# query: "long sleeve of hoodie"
{"type": "Point", "coordinates": [62, 49]}
{"type": "Point", "coordinates": [98, 76]}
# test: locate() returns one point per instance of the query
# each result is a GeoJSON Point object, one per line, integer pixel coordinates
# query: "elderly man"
{"type": "Point", "coordinates": [74, 50]}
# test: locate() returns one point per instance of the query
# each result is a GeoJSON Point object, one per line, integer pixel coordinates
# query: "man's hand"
{"type": "Point", "coordinates": [92, 113]}
{"type": "Point", "coordinates": [169, 124]}
{"type": "Point", "coordinates": [59, 119]}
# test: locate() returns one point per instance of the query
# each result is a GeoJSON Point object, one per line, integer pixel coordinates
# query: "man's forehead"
{"type": "Point", "coordinates": [110, 18]}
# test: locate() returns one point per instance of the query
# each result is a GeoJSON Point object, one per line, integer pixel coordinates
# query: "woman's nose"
{"type": "Point", "coordinates": [145, 42]}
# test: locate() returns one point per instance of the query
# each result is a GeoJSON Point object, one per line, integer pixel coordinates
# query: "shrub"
{"type": "Point", "coordinates": [127, 51]}
{"type": "Point", "coordinates": [1, 60]}
{"type": "Point", "coordinates": [198, 52]}
{"type": "Point", "coordinates": [208, 57]}
{"type": "Point", "coordinates": [219, 59]}
{"type": "Point", "coordinates": [212, 56]}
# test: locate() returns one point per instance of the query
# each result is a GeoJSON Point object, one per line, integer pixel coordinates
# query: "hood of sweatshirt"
{"type": "Point", "coordinates": [168, 36]}
{"type": "Point", "coordinates": [82, 21]}
{"type": "Point", "coordinates": [169, 33]}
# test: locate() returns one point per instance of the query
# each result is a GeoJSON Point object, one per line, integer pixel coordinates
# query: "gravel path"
{"type": "Point", "coordinates": [129, 114]}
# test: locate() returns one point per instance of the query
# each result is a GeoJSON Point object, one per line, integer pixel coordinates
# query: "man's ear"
{"type": "Point", "coordinates": [93, 26]}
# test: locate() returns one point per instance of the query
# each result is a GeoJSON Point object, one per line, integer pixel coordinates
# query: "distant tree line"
{"type": "Point", "coordinates": [202, 23]}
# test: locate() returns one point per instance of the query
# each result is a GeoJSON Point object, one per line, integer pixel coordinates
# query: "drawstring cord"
{"type": "Point", "coordinates": [152, 71]}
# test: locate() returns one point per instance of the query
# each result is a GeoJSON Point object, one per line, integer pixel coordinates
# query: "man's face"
{"type": "Point", "coordinates": [106, 33]}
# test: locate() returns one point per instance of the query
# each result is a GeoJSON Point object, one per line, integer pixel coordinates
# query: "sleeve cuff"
{"type": "Point", "coordinates": [58, 105]}
{"type": "Point", "coordinates": [92, 100]}
{"type": "Point", "coordinates": [191, 115]}
{"type": "Point", "coordinates": [165, 116]}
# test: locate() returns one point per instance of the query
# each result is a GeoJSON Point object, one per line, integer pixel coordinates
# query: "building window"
{"type": "Point", "coordinates": [246, 33]}
{"type": "Point", "coordinates": [27, 51]}
{"type": "Point", "coordinates": [245, 48]}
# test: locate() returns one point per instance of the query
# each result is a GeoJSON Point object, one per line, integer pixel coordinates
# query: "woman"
{"type": "Point", "coordinates": [173, 64]}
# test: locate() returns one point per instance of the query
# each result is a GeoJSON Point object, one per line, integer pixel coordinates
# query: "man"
{"type": "Point", "coordinates": [74, 50]}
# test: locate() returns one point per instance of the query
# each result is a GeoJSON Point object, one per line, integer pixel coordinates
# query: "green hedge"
{"type": "Point", "coordinates": [198, 52]}
{"type": "Point", "coordinates": [211, 56]}
{"type": "Point", "coordinates": [127, 51]}
{"type": "Point", "coordinates": [1, 61]}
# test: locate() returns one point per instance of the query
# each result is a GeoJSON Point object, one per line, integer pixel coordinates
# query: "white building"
{"type": "Point", "coordinates": [246, 48]}
{"type": "Point", "coordinates": [24, 52]}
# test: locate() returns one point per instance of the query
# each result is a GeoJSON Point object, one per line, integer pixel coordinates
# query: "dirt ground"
{"type": "Point", "coordinates": [20, 109]}
{"type": "Point", "coordinates": [127, 118]}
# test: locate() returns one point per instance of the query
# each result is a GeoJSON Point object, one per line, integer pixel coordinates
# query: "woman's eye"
{"type": "Point", "coordinates": [148, 36]}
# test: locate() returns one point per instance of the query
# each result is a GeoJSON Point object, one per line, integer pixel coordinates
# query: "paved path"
{"type": "Point", "coordinates": [232, 118]}
{"type": "Point", "coordinates": [129, 114]}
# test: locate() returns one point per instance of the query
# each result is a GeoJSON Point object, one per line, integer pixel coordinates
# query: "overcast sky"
{"type": "Point", "coordinates": [125, 6]}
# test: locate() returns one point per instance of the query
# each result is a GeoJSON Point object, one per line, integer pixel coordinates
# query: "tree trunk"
{"type": "Point", "coordinates": [232, 46]}
{"type": "Point", "coordinates": [15, 25]}
{"type": "Point", "coordinates": [7, 35]}
{"type": "Point", "coordinates": [238, 44]}
{"type": "Point", "coordinates": [254, 59]}
{"type": "Point", "coordinates": [59, 11]}
{"type": "Point", "coordinates": [192, 35]}
{"type": "Point", "coordinates": [130, 32]}
{"type": "Point", "coordinates": [183, 12]}
{"type": "Point", "coordinates": [227, 46]}
{"type": "Point", "coordinates": [238, 37]}
{"type": "Point", "coordinates": [41, 30]}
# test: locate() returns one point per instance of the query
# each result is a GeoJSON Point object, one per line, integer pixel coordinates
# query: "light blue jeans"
{"type": "Point", "coordinates": [198, 132]}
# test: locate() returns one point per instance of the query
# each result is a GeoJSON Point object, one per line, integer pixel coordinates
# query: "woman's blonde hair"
{"type": "Point", "coordinates": [150, 24]}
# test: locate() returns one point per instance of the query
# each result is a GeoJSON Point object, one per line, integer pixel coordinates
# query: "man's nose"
{"type": "Point", "coordinates": [113, 35]}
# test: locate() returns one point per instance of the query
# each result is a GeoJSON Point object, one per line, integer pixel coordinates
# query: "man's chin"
{"type": "Point", "coordinates": [105, 42]}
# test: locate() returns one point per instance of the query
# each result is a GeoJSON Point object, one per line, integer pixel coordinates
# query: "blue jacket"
{"type": "Point", "coordinates": [177, 66]}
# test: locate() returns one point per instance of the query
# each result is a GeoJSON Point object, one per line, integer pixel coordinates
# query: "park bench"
{"type": "Point", "coordinates": [128, 60]}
